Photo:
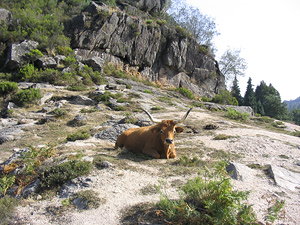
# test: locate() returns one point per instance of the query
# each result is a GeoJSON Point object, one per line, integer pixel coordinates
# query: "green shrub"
{"type": "Point", "coordinates": [60, 174]}
{"type": "Point", "coordinates": [33, 55]}
{"type": "Point", "coordinates": [64, 50]}
{"type": "Point", "coordinates": [235, 115]}
{"type": "Point", "coordinates": [27, 96]}
{"type": "Point", "coordinates": [79, 135]}
{"type": "Point", "coordinates": [28, 73]}
{"type": "Point", "coordinates": [110, 70]}
{"type": "Point", "coordinates": [34, 158]}
{"type": "Point", "coordinates": [7, 87]}
{"type": "Point", "coordinates": [224, 97]}
{"type": "Point", "coordinates": [185, 92]}
{"type": "Point", "coordinates": [274, 210]}
{"type": "Point", "coordinates": [59, 112]}
{"type": "Point", "coordinates": [205, 99]}
{"type": "Point", "coordinates": [208, 200]}
{"type": "Point", "coordinates": [186, 161]}
{"type": "Point", "coordinates": [69, 60]}
{"type": "Point", "coordinates": [6, 182]}
{"type": "Point", "coordinates": [147, 91]}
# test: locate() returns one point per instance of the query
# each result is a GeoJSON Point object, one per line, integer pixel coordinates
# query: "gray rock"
{"type": "Point", "coordinates": [70, 188]}
{"type": "Point", "coordinates": [95, 62]}
{"type": "Point", "coordinates": [17, 53]}
{"type": "Point", "coordinates": [31, 189]}
{"type": "Point", "coordinates": [239, 171]}
{"type": "Point", "coordinates": [11, 105]}
{"type": "Point", "coordinates": [118, 87]}
{"type": "Point", "coordinates": [46, 98]}
{"type": "Point", "coordinates": [46, 62]}
{"type": "Point", "coordinates": [6, 138]}
{"type": "Point", "coordinates": [111, 134]}
{"type": "Point", "coordinates": [285, 178]}
{"type": "Point", "coordinates": [83, 100]}
{"type": "Point", "coordinates": [5, 16]}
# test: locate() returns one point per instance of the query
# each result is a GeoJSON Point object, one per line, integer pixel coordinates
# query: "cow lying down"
{"type": "Point", "coordinates": [156, 140]}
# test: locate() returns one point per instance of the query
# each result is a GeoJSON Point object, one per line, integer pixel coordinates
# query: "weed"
{"type": "Point", "coordinates": [79, 135]}
{"type": "Point", "coordinates": [185, 92]}
{"type": "Point", "coordinates": [284, 156]}
{"type": "Point", "coordinates": [60, 174]}
{"type": "Point", "coordinates": [147, 91]}
{"type": "Point", "coordinates": [274, 210]}
{"type": "Point", "coordinates": [222, 137]}
{"type": "Point", "coordinates": [208, 200]}
{"type": "Point", "coordinates": [6, 182]}
{"type": "Point", "coordinates": [59, 113]}
{"type": "Point", "coordinates": [186, 161]}
{"type": "Point", "coordinates": [34, 158]}
{"type": "Point", "coordinates": [157, 108]}
{"type": "Point", "coordinates": [27, 96]}
{"type": "Point", "coordinates": [7, 87]}
{"type": "Point", "coordinates": [235, 115]}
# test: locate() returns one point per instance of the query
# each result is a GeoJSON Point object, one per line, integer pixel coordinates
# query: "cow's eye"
{"type": "Point", "coordinates": [161, 131]}
{"type": "Point", "coordinates": [174, 131]}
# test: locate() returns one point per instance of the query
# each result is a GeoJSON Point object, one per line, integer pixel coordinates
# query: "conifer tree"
{"type": "Point", "coordinates": [236, 92]}
{"type": "Point", "coordinates": [249, 98]}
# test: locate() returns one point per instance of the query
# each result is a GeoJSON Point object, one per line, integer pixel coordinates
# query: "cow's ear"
{"type": "Point", "coordinates": [179, 129]}
{"type": "Point", "coordinates": [155, 130]}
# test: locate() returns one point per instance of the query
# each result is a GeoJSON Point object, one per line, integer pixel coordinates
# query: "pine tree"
{"type": "Point", "coordinates": [249, 98]}
{"type": "Point", "coordinates": [236, 92]}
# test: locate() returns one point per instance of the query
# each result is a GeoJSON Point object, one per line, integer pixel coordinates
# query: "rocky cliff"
{"type": "Point", "coordinates": [161, 53]}
{"type": "Point", "coordinates": [131, 35]}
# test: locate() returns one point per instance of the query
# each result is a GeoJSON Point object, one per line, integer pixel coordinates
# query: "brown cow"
{"type": "Point", "coordinates": [156, 140]}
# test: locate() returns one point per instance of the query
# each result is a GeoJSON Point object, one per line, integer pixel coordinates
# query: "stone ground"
{"type": "Point", "coordinates": [131, 179]}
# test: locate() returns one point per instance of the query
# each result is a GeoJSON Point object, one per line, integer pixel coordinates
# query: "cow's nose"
{"type": "Point", "coordinates": [169, 140]}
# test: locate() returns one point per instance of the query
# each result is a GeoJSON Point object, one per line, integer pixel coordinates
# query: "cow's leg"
{"type": "Point", "coordinates": [152, 152]}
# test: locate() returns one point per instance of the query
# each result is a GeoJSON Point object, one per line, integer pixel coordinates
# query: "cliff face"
{"type": "Point", "coordinates": [161, 53]}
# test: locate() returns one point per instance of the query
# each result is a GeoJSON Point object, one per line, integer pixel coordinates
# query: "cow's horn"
{"type": "Point", "coordinates": [184, 117]}
{"type": "Point", "coordinates": [151, 118]}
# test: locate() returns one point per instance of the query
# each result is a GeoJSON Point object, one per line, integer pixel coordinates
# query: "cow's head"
{"type": "Point", "coordinates": [167, 130]}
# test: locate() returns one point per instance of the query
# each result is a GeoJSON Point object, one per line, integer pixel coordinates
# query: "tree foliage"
{"type": "Point", "coordinates": [232, 64]}
{"type": "Point", "coordinates": [235, 91]}
{"type": "Point", "coordinates": [249, 99]}
{"type": "Point", "coordinates": [201, 26]}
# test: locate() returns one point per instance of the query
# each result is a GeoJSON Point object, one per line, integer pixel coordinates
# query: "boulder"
{"type": "Point", "coordinates": [46, 62]}
{"type": "Point", "coordinates": [5, 16]}
{"type": "Point", "coordinates": [77, 184]}
{"type": "Point", "coordinates": [111, 134]}
{"type": "Point", "coordinates": [95, 62]}
{"type": "Point", "coordinates": [152, 7]}
{"type": "Point", "coordinates": [17, 53]}
{"type": "Point", "coordinates": [83, 100]}
{"type": "Point", "coordinates": [46, 98]}
{"type": "Point", "coordinates": [239, 171]}
{"type": "Point", "coordinates": [285, 178]}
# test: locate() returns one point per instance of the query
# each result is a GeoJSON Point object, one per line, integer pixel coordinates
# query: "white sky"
{"type": "Point", "coordinates": [267, 31]}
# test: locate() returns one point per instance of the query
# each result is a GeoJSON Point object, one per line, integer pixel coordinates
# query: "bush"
{"type": "Point", "coordinates": [185, 92]}
{"type": "Point", "coordinates": [27, 96]}
{"type": "Point", "coordinates": [208, 200]}
{"type": "Point", "coordinates": [34, 55]}
{"type": "Point", "coordinates": [60, 174]}
{"type": "Point", "coordinates": [80, 135]}
{"type": "Point", "coordinates": [225, 98]}
{"type": "Point", "coordinates": [235, 115]}
{"type": "Point", "coordinates": [59, 112]}
{"type": "Point", "coordinates": [28, 73]}
{"type": "Point", "coordinates": [7, 87]}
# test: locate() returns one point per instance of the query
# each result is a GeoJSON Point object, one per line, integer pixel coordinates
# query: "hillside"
{"type": "Point", "coordinates": [124, 182]}
{"type": "Point", "coordinates": [293, 104]}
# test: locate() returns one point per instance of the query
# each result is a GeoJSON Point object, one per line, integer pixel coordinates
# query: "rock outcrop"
{"type": "Point", "coordinates": [161, 53]}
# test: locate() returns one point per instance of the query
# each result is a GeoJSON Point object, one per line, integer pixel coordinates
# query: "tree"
{"type": "Point", "coordinates": [236, 92]}
{"type": "Point", "coordinates": [249, 98]}
{"type": "Point", "coordinates": [270, 100]}
{"type": "Point", "coordinates": [201, 26]}
{"type": "Point", "coordinates": [296, 116]}
{"type": "Point", "coordinates": [232, 64]}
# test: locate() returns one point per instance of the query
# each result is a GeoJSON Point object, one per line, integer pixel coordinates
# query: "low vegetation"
{"type": "Point", "coordinates": [209, 199]}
